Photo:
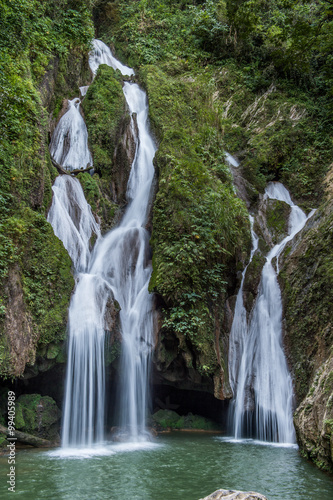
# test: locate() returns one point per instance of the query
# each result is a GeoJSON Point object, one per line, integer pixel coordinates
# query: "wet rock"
{"type": "Point", "coordinates": [21, 339]}
{"type": "Point", "coordinates": [252, 280]}
{"type": "Point", "coordinates": [314, 419]}
{"type": "Point", "coordinates": [234, 495]}
{"type": "Point", "coordinates": [168, 419]}
{"type": "Point", "coordinates": [271, 223]}
{"type": "Point", "coordinates": [38, 415]}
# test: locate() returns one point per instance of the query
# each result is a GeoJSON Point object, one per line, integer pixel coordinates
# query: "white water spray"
{"type": "Point", "coordinates": [72, 220]}
{"type": "Point", "coordinates": [259, 375]}
{"type": "Point", "coordinates": [69, 144]}
{"type": "Point", "coordinates": [118, 267]}
{"type": "Point", "coordinates": [123, 257]}
{"type": "Point", "coordinates": [101, 54]}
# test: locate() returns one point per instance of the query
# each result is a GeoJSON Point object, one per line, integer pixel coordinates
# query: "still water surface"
{"type": "Point", "coordinates": [178, 466]}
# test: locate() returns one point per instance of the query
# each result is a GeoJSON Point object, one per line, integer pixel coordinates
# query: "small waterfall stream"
{"type": "Point", "coordinates": [119, 266]}
{"type": "Point", "coordinates": [69, 144]}
{"type": "Point", "coordinates": [259, 375]}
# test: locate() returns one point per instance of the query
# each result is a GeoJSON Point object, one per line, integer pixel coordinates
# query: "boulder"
{"type": "Point", "coordinates": [234, 495]}
{"type": "Point", "coordinates": [38, 415]}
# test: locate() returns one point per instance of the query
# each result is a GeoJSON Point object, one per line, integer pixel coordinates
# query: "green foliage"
{"type": "Point", "coordinates": [199, 225]}
{"type": "Point", "coordinates": [243, 48]}
{"type": "Point", "coordinates": [32, 33]}
{"type": "Point", "coordinates": [41, 29]}
{"type": "Point", "coordinates": [168, 419]}
{"type": "Point", "coordinates": [97, 193]}
{"type": "Point", "coordinates": [104, 106]}
{"type": "Point", "coordinates": [307, 289]}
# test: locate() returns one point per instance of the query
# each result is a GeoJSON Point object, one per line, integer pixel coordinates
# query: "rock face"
{"type": "Point", "coordinates": [306, 280]}
{"type": "Point", "coordinates": [314, 419]}
{"type": "Point", "coordinates": [234, 495]}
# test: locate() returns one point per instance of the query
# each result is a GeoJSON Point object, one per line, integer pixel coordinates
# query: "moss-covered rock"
{"type": "Point", "coordinates": [168, 419]}
{"type": "Point", "coordinates": [38, 415]}
{"type": "Point", "coordinates": [277, 219]}
{"type": "Point", "coordinates": [199, 226]}
{"type": "Point", "coordinates": [307, 286]}
{"type": "Point", "coordinates": [252, 280]}
{"type": "Point", "coordinates": [111, 133]}
{"type": "Point", "coordinates": [314, 419]}
{"type": "Point", "coordinates": [97, 193]}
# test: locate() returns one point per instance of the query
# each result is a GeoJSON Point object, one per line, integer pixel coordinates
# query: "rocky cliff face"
{"type": "Point", "coordinates": [37, 280]}
{"type": "Point", "coordinates": [307, 286]}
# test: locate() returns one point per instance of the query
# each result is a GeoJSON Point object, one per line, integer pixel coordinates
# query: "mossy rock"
{"type": "Point", "coordinates": [170, 419]}
{"type": "Point", "coordinates": [252, 279]}
{"type": "Point", "coordinates": [104, 106]}
{"type": "Point", "coordinates": [98, 194]}
{"type": "Point", "coordinates": [166, 418]}
{"type": "Point", "coordinates": [38, 415]}
{"type": "Point", "coordinates": [3, 442]}
{"type": "Point", "coordinates": [277, 219]}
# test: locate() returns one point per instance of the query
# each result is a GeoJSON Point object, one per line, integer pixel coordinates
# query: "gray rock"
{"type": "Point", "coordinates": [234, 495]}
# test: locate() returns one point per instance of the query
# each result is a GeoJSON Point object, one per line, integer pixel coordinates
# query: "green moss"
{"type": "Point", "coordinates": [308, 295]}
{"type": "Point", "coordinates": [46, 277]}
{"type": "Point", "coordinates": [36, 414]}
{"type": "Point", "coordinates": [35, 37]}
{"type": "Point", "coordinates": [3, 441]}
{"type": "Point", "coordinates": [170, 419]}
{"type": "Point", "coordinates": [97, 193]}
{"type": "Point", "coordinates": [104, 106]}
{"type": "Point", "coordinates": [199, 225]}
{"type": "Point", "coordinates": [277, 217]}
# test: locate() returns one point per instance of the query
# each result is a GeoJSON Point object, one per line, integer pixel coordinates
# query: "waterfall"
{"type": "Point", "coordinates": [123, 257]}
{"type": "Point", "coordinates": [72, 220]}
{"type": "Point", "coordinates": [69, 144]}
{"type": "Point", "coordinates": [259, 375]}
{"type": "Point", "coordinates": [118, 267]}
{"type": "Point", "coordinates": [101, 54]}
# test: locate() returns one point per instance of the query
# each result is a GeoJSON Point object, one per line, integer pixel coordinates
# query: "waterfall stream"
{"type": "Point", "coordinates": [259, 375]}
{"type": "Point", "coordinates": [118, 267]}
{"type": "Point", "coordinates": [69, 144]}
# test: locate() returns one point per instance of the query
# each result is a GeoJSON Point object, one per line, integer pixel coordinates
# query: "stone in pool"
{"type": "Point", "coordinates": [234, 495]}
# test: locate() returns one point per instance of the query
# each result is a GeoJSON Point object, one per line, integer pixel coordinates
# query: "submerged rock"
{"type": "Point", "coordinates": [234, 495]}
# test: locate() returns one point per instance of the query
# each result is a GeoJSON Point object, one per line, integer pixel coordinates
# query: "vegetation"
{"type": "Point", "coordinates": [217, 80]}
{"type": "Point", "coordinates": [168, 419]}
{"type": "Point", "coordinates": [108, 121]}
{"type": "Point", "coordinates": [272, 95]}
{"type": "Point", "coordinates": [33, 33]}
{"type": "Point", "coordinates": [104, 106]}
{"type": "Point", "coordinates": [307, 280]}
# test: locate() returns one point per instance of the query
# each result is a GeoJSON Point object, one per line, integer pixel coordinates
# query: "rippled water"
{"type": "Point", "coordinates": [179, 466]}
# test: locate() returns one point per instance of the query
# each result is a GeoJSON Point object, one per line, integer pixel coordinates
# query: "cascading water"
{"type": "Point", "coordinates": [118, 267]}
{"type": "Point", "coordinates": [259, 375]}
{"type": "Point", "coordinates": [74, 224]}
{"type": "Point", "coordinates": [72, 220]}
{"type": "Point", "coordinates": [123, 257]}
{"type": "Point", "coordinates": [69, 144]}
{"type": "Point", "coordinates": [101, 54]}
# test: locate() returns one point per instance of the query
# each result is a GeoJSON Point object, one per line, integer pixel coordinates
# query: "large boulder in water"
{"type": "Point", "coordinates": [234, 495]}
